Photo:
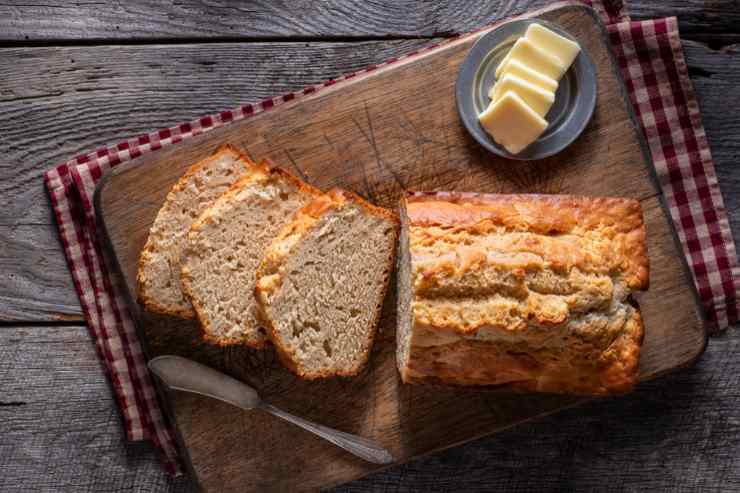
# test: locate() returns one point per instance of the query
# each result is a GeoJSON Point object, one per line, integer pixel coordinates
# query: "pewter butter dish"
{"type": "Point", "coordinates": [526, 90]}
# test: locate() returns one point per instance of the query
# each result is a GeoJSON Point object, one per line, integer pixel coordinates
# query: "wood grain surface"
{"type": "Point", "coordinates": [375, 136]}
{"type": "Point", "coordinates": [42, 21]}
{"type": "Point", "coordinates": [679, 430]}
{"type": "Point", "coordinates": [67, 420]}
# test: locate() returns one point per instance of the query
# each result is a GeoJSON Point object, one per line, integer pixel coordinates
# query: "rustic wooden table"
{"type": "Point", "coordinates": [76, 76]}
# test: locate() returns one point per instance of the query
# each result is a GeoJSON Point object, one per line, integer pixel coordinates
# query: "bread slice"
{"type": "Point", "coordinates": [158, 278]}
{"type": "Point", "coordinates": [225, 246]}
{"type": "Point", "coordinates": [321, 284]}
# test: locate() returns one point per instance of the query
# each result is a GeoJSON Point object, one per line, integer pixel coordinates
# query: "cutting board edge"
{"type": "Point", "coordinates": [108, 179]}
{"type": "Point", "coordinates": [650, 165]}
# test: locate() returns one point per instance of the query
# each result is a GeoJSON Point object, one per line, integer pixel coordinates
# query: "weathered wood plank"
{"type": "Point", "coordinates": [60, 428]}
{"type": "Point", "coordinates": [59, 102]}
{"type": "Point", "coordinates": [34, 280]}
{"type": "Point", "coordinates": [33, 20]}
{"type": "Point", "coordinates": [61, 432]}
{"type": "Point", "coordinates": [263, 19]}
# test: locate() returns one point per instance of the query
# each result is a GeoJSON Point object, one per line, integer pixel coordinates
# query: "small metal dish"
{"type": "Point", "coordinates": [575, 98]}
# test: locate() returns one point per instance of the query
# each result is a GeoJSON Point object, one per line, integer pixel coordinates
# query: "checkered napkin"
{"type": "Point", "coordinates": [651, 60]}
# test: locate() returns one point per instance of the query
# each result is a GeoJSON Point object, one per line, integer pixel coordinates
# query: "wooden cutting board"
{"type": "Point", "coordinates": [377, 134]}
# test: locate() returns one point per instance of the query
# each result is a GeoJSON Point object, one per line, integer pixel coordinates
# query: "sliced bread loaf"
{"type": "Point", "coordinates": [225, 246]}
{"type": "Point", "coordinates": [530, 292]}
{"type": "Point", "coordinates": [321, 284]}
{"type": "Point", "coordinates": [158, 278]}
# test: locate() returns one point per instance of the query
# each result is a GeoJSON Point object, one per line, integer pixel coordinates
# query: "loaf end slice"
{"type": "Point", "coordinates": [321, 284]}
{"type": "Point", "coordinates": [158, 279]}
{"type": "Point", "coordinates": [224, 248]}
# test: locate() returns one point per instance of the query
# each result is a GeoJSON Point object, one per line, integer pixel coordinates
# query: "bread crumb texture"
{"type": "Point", "coordinates": [224, 248]}
{"type": "Point", "coordinates": [158, 279]}
{"type": "Point", "coordinates": [321, 284]}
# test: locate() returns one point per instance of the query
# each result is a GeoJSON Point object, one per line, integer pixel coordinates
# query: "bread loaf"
{"type": "Point", "coordinates": [224, 248]}
{"type": "Point", "coordinates": [321, 284]}
{"type": "Point", "coordinates": [528, 291]}
{"type": "Point", "coordinates": [158, 279]}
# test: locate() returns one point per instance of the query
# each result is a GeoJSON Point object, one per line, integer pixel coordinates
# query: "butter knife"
{"type": "Point", "coordinates": [189, 376]}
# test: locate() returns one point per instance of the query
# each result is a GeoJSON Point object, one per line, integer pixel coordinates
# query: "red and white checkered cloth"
{"type": "Point", "coordinates": [652, 63]}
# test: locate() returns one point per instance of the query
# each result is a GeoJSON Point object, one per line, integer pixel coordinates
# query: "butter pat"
{"type": "Point", "coordinates": [527, 79]}
{"type": "Point", "coordinates": [553, 43]}
{"type": "Point", "coordinates": [512, 123]}
{"type": "Point", "coordinates": [535, 58]}
{"type": "Point", "coordinates": [535, 97]}
{"type": "Point", "coordinates": [515, 67]}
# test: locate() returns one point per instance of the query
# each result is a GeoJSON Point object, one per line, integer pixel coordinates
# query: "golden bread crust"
{"type": "Point", "coordinates": [618, 220]}
{"type": "Point", "coordinates": [527, 291]}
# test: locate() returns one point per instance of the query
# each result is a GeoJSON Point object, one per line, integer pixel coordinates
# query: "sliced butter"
{"type": "Point", "coordinates": [535, 58]}
{"type": "Point", "coordinates": [553, 43]}
{"type": "Point", "coordinates": [515, 67]}
{"type": "Point", "coordinates": [540, 100]}
{"type": "Point", "coordinates": [512, 123]}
